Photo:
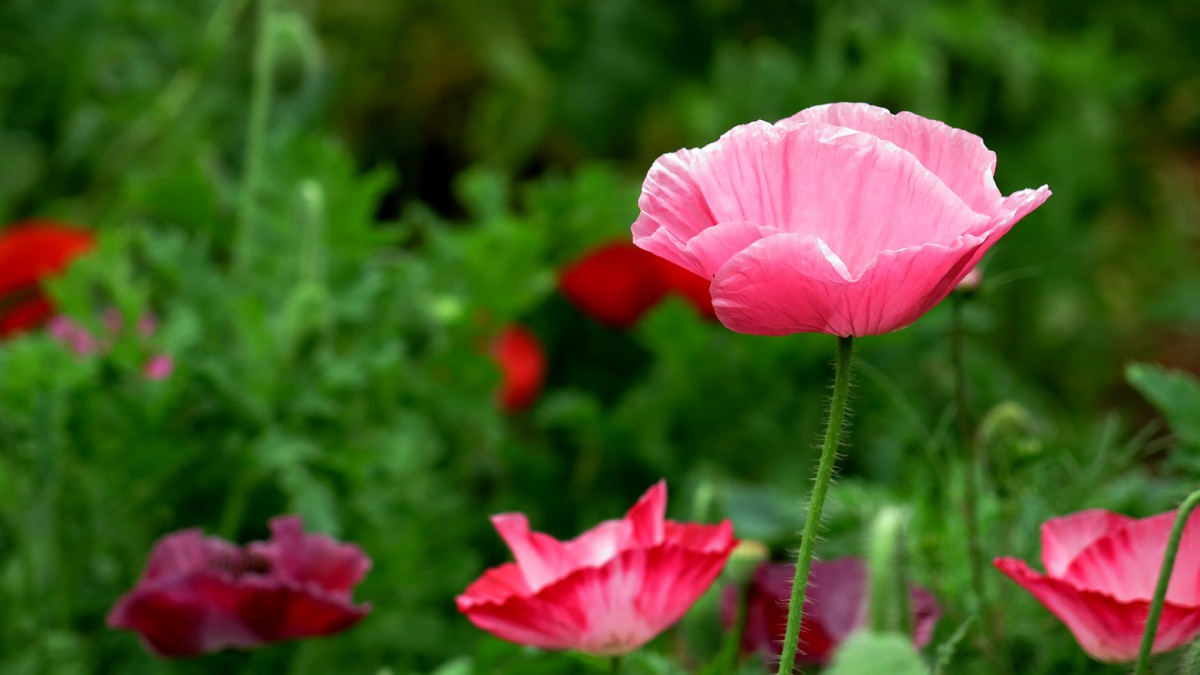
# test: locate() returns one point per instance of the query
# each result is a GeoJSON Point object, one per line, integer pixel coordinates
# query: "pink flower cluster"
{"type": "Point", "coordinates": [158, 366]}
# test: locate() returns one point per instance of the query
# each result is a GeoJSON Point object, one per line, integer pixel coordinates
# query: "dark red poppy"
{"type": "Point", "coordinates": [203, 594]}
{"type": "Point", "coordinates": [31, 251]}
{"type": "Point", "coordinates": [834, 607]}
{"type": "Point", "coordinates": [522, 361]}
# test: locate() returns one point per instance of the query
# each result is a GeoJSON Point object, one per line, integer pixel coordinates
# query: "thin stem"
{"type": "Point", "coordinates": [971, 475]}
{"type": "Point", "coordinates": [888, 609]}
{"type": "Point", "coordinates": [1164, 579]}
{"type": "Point", "coordinates": [256, 129]}
{"type": "Point", "coordinates": [812, 523]}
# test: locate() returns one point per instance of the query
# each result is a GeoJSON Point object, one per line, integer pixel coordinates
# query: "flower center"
{"type": "Point", "coordinates": [241, 563]}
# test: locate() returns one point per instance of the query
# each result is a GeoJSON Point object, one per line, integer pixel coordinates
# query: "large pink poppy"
{"type": "Point", "coordinates": [608, 591]}
{"type": "Point", "coordinates": [842, 219]}
{"type": "Point", "coordinates": [1101, 570]}
{"type": "Point", "coordinates": [202, 594]}
{"type": "Point", "coordinates": [834, 608]}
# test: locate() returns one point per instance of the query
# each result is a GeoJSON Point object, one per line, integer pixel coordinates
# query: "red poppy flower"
{"type": "Point", "coordinates": [202, 594]}
{"type": "Point", "coordinates": [614, 284]}
{"type": "Point", "coordinates": [30, 252]}
{"type": "Point", "coordinates": [1101, 569]}
{"type": "Point", "coordinates": [608, 591]}
{"type": "Point", "coordinates": [834, 608]}
{"type": "Point", "coordinates": [522, 361]}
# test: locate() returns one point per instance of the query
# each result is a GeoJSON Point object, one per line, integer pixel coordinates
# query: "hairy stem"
{"type": "Point", "coordinates": [812, 523]}
{"type": "Point", "coordinates": [1164, 579]}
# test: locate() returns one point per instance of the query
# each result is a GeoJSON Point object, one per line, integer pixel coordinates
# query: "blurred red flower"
{"type": "Point", "coordinates": [202, 594]}
{"type": "Point", "coordinates": [617, 283]}
{"type": "Point", "coordinates": [522, 362]}
{"type": "Point", "coordinates": [834, 608]}
{"type": "Point", "coordinates": [1101, 570]}
{"type": "Point", "coordinates": [31, 251]}
{"type": "Point", "coordinates": [608, 591]}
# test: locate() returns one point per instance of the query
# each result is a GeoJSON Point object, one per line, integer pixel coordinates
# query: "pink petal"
{"type": "Point", "coordinates": [184, 552]}
{"type": "Point", "coordinates": [612, 609]}
{"type": "Point", "coordinates": [1125, 562]}
{"type": "Point", "coordinates": [957, 157]}
{"type": "Point", "coordinates": [544, 559]}
{"type": "Point", "coordinates": [788, 283]}
{"type": "Point", "coordinates": [276, 610]}
{"type": "Point", "coordinates": [1107, 629]}
{"type": "Point", "coordinates": [331, 565]}
{"type": "Point", "coordinates": [188, 616]}
{"type": "Point", "coordinates": [1063, 538]}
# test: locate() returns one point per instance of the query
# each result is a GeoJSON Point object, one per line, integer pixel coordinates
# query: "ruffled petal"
{"type": "Point", "coordinates": [188, 616]}
{"type": "Point", "coordinates": [789, 283]}
{"type": "Point", "coordinates": [334, 566]}
{"type": "Point", "coordinates": [1063, 538]}
{"type": "Point", "coordinates": [184, 552]}
{"type": "Point", "coordinates": [858, 194]}
{"type": "Point", "coordinates": [274, 610]}
{"type": "Point", "coordinates": [958, 158]}
{"type": "Point", "coordinates": [1107, 629]}
{"type": "Point", "coordinates": [1125, 562]}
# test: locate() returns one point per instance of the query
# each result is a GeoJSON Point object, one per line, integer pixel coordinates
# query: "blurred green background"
{"type": "Point", "coordinates": [426, 169]}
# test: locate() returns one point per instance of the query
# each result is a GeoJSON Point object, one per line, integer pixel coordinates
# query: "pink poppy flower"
{"type": "Point", "coordinates": [608, 591]}
{"type": "Point", "coordinates": [842, 219]}
{"type": "Point", "coordinates": [522, 362]}
{"type": "Point", "coordinates": [31, 251]}
{"type": "Point", "coordinates": [834, 608]}
{"type": "Point", "coordinates": [202, 594]}
{"type": "Point", "coordinates": [1101, 569]}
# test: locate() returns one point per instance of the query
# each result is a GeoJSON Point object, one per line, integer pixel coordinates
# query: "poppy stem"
{"type": "Point", "coordinates": [816, 502]}
{"type": "Point", "coordinates": [256, 130]}
{"type": "Point", "coordinates": [1164, 579]}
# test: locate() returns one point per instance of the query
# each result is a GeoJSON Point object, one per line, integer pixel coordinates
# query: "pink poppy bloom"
{"type": "Point", "coordinates": [842, 219]}
{"type": "Point", "coordinates": [1101, 570]}
{"type": "Point", "coordinates": [834, 608]}
{"type": "Point", "coordinates": [202, 594]}
{"type": "Point", "coordinates": [31, 251]}
{"type": "Point", "coordinates": [522, 362]}
{"type": "Point", "coordinates": [608, 591]}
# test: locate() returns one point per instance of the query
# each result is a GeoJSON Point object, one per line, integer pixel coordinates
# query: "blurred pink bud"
{"type": "Point", "coordinates": [159, 367]}
{"type": "Point", "coordinates": [71, 334]}
{"type": "Point", "coordinates": [147, 324]}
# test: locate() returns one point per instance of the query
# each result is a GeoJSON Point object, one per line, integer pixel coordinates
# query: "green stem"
{"type": "Point", "coordinates": [971, 475]}
{"type": "Point", "coordinates": [812, 523]}
{"type": "Point", "coordinates": [256, 129]}
{"type": "Point", "coordinates": [1164, 579]}
{"type": "Point", "coordinates": [888, 609]}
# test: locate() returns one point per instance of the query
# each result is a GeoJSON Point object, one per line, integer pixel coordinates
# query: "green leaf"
{"type": "Point", "coordinates": [1175, 393]}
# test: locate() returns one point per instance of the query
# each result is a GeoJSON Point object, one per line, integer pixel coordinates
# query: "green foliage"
{"type": "Point", "coordinates": [866, 652]}
{"type": "Point", "coordinates": [428, 168]}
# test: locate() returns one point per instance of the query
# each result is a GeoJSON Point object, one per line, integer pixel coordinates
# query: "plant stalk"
{"type": "Point", "coordinates": [1164, 580]}
{"type": "Point", "coordinates": [812, 523]}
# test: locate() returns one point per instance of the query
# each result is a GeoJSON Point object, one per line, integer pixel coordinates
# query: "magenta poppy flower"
{"type": "Point", "coordinates": [842, 219]}
{"type": "Point", "coordinates": [30, 252]}
{"type": "Point", "coordinates": [522, 362]}
{"type": "Point", "coordinates": [608, 591]}
{"type": "Point", "coordinates": [834, 608]}
{"type": "Point", "coordinates": [1101, 569]}
{"type": "Point", "coordinates": [202, 594]}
